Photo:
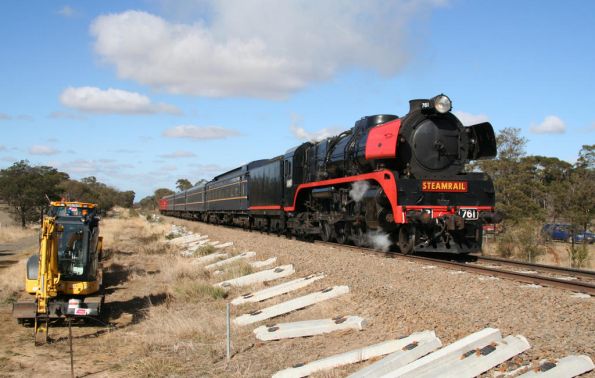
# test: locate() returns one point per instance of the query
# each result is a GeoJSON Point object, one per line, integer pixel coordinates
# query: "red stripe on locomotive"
{"type": "Point", "coordinates": [385, 178]}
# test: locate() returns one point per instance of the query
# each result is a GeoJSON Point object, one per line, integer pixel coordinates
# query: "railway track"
{"type": "Point", "coordinates": [578, 280]}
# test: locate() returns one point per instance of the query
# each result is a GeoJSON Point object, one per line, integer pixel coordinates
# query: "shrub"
{"type": "Point", "coordinates": [238, 269]}
{"type": "Point", "coordinates": [204, 250]}
{"type": "Point", "coordinates": [522, 240]}
{"type": "Point", "coordinates": [171, 235]}
{"type": "Point", "coordinates": [505, 246]}
{"type": "Point", "coordinates": [192, 290]}
{"type": "Point", "coordinates": [578, 255]}
{"type": "Point", "coordinates": [530, 243]}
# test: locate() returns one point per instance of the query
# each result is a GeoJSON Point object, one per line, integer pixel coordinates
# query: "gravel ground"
{"type": "Point", "coordinates": [397, 298]}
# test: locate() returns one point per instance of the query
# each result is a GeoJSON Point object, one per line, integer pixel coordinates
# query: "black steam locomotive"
{"type": "Point", "coordinates": [403, 178]}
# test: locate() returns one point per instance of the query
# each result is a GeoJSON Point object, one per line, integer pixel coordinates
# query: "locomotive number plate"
{"type": "Point", "coordinates": [469, 214]}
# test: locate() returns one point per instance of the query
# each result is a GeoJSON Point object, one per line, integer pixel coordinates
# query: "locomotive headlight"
{"type": "Point", "coordinates": [442, 103]}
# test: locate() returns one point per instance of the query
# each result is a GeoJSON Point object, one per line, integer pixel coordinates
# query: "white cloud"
{"type": "Point", "coordinates": [67, 11]}
{"type": "Point", "coordinates": [5, 117]}
{"type": "Point", "coordinates": [312, 136]}
{"type": "Point", "coordinates": [550, 125]}
{"type": "Point", "coordinates": [261, 48]}
{"type": "Point", "coordinates": [2, 148]}
{"type": "Point", "coordinates": [200, 132]}
{"type": "Point", "coordinates": [178, 154]}
{"type": "Point", "coordinates": [42, 150]}
{"type": "Point", "coordinates": [96, 100]}
{"type": "Point", "coordinates": [468, 119]}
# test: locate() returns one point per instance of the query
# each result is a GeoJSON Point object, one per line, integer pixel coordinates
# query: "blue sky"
{"type": "Point", "coordinates": [141, 93]}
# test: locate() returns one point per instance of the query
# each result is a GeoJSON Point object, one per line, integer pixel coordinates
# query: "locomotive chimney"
{"type": "Point", "coordinates": [417, 104]}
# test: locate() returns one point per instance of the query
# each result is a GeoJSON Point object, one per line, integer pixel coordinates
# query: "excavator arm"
{"type": "Point", "coordinates": [48, 277]}
{"type": "Point", "coordinates": [48, 274]}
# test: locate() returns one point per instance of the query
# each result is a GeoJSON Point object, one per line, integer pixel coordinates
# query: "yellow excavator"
{"type": "Point", "coordinates": [65, 277]}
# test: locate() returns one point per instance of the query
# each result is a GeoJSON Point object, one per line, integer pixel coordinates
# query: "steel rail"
{"type": "Point", "coordinates": [578, 286]}
{"type": "Point", "coordinates": [582, 273]}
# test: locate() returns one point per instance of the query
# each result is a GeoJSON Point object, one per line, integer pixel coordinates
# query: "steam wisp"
{"type": "Point", "coordinates": [358, 189]}
{"type": "Point", "coordinates": [379, 240]}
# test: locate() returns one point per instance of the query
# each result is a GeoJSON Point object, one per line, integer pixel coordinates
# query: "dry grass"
{"type": "Point", "coordinates": [188, 282]}
{"type": "Point", "coordinates": [556, 253]}
{"type": "Point", "coordinates": [12, 282]}
{"type": "Point", "coordinates": [179, 267]}
{"type": "Point", "coordinates": [186, 335]}
{"type": "Point", "coordinates": [9, 234]}
{"type": "Point", "coordinates": [180, 334]}
{"type": "Point", "coordinates": [134, 234]}
{"type": "Point", "coordinates": [182, 341]}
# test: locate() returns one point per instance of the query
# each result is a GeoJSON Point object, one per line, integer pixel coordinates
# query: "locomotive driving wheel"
{"type": "Point", "coordinates": [341, 232]}
{"type": "Point", "coordinates": [326, 231]}
{"type": "Point", "coordinates": [359, 236]}
{"type": "Point", "coordinates": [406, 239]}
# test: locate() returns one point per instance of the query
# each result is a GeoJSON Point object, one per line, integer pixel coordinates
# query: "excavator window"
{"type": "Point", "coordinates": [73, 251]}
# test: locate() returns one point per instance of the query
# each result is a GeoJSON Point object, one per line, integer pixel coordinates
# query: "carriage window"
{"type": "Point", "coordinates": [287, 168]}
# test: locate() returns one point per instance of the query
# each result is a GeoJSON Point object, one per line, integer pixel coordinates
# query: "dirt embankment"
{"type": "Point", "coordinates": [165, 320]}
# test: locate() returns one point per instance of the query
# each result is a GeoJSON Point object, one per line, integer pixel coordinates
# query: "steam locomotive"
{"type": "Point", "coordinates": [403, 178]}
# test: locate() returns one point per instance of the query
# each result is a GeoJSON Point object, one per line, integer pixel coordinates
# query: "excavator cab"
{"type": "Point", "coordinates": [77, 249]}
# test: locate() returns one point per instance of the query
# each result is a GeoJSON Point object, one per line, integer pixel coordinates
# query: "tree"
{"type": "Point", "coordinates": [579, 201]}
{"type": "Point", "coordinates": [586, 157]}
{"type": "Point", "coordinates": [162, 192]}
{"type": "Point", "coordinates": [91, 190]}
{"type": "Point", "coordinates": [511, 145]}
{"type": "Point", "coordinates": [126, 199]}
{"type": "Point", "coordinates": [200, 182]}
{"type": "Point", "coordinates": [518, 194]}
{"type": "Point", "coordinates": [183, 184]}
{"type": "Point", "coordinates": [73, 190]}
{"type": "Point", "coordinates": [550, 182]}
{"type": "Point", "coordinates": [27, 188]}
{"type": "Point", "coordinates": [147, 203]}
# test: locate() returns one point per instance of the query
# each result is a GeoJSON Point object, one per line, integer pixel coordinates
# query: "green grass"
{"type": "Point", "coordinates": [189, 290]}
{"type": "Point", "coordinates": [172, 235]}
{"type": "Point", "coordinates": [204, 250]}
{"type": "Point", "coordinates": [238, 269]}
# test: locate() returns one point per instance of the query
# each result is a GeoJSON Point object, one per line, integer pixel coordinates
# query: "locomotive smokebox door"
{"type": "Point", "coordinates": [482, 141]}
